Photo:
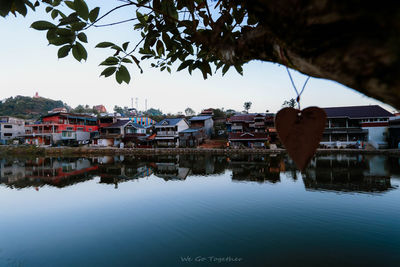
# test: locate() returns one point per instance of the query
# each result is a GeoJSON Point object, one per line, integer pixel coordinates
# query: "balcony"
{"type": "Point", "coordinates": [237, 127]}
{"type": "Point", "coordinates": [167, 133]}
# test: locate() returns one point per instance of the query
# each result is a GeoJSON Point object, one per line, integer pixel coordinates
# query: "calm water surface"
{"type": "Point", "coordinates": [200, 210]}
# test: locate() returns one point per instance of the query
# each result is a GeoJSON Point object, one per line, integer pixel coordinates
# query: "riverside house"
{"type": "Point", "coordinates": [250, 130]}
{"type": "Point", "coordinates": [347, 126]}
{"type": "Point", "coordinates": [11, 128]}
{"type": "Point", "coordinates": [120, 131]}
{"type": "Point", "coordinates": [204, 122]}
{"type": "Point", "coordinates": [61, 128]}
{"type": "Point", "coordinates": [167, 131]}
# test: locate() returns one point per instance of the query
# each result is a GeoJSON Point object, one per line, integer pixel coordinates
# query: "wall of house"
{"type": "Point", "coordinates": [377, 135]}
{"type": "Point", "coordinates": [182, 125]}
{"type": "Point", "coordinates": [11, 130]}
{"type": "Point", "coordinates": [209, 127]}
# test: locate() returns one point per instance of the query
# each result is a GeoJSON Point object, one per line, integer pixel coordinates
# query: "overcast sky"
{"type": "Point", "coordinates": [29, 65]}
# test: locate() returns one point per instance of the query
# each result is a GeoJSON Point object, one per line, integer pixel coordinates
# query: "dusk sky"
{"type": "Point", "coordinates": [29, 65]}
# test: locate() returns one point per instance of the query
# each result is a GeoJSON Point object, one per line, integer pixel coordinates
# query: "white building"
{"type": "Point", "coordinates": [11, 128]}
{"type": "Point", "coordinates": [347, 126]}
{"type": "Point", "coordinates": [167, 131]}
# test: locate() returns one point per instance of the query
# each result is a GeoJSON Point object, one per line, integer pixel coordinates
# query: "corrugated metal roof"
{"type": "Point", "coordinates": [169, 122]}
{"type": "Point", "coordinates": [371, 111]}
{"type": "Point", "coordinates": [191, 130]}
{"type": "Point", "coordinates": [200, 118]}
{"type": "Point", "coordinates": [118, 124]}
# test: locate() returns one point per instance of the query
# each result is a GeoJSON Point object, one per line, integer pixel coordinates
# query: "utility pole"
{"type": "Point", "coordinates": [145, 105]}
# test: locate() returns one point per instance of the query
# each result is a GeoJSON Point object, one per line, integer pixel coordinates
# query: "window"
{"type": "Point", "coordinates": [7, 134]}
{"type": "Point", "coordinates": [79, 129]}
{"type": "Point", "coordinates": [70, 128]}
{"type": "Point", "coordinates": [8, 126]}
{"type": "Point", "coordinates": [90, 129]}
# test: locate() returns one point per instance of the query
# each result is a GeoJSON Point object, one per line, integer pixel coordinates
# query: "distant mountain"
{"type": "Point", "coordinates": [28, 107]}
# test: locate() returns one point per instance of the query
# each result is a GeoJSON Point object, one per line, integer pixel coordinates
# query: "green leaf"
{"type": "Point", "coordinates": [108, 71]}
{"type": "Point", "coordinates": [104, 45]}
{"type": "Point", "coordinates": [64, 32]}
{"type": "Point", "coordinates": [82, 9]}
{"type": "Point", "coordinates": [54, 14]}
{"type": "Point", "coordinates": [42, 25]}
{"type": "Point", "coordinates": [79, 52]}
{"type": "Point", "coordinates": [64, 51]}
{"type": "Point", "coordinates": [82, 37]}
{"type": "Point", "coordinates": [185, 64]}
{"type": "Point", "coordinates": [110, 61]}
{"type": "Point", "coordinates": [70, 4]}
{"type": "Point", "coordinates": [239, 69]}
{"type": "Point", "coordinates": [48, 9]}
{"type": "Point", "coordinates": [77, 26]}
{"type": "Point", "coordinates": [51, 34]}
{"type": "Point", "coordinates": [160, 48]}
{"type": "Point", "coordinates": [126, 60]}
{"type": "Point", "coordinates": [122, 75]}
{"type": "Point", "coordinates": [125, 45]}
{"type": "Point", "coordinates": [61, 40]}
{"type": "Point", "coordinates": [94, 14]}
{"type": "Point", "coordinates": [225, 69]}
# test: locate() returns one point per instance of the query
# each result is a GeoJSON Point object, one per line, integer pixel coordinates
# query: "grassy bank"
{"type": "Point", "coordinates": [92, 151]}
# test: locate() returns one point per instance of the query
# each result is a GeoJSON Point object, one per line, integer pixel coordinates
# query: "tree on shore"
{"type": "Point", "coordinates": [247, 106]}
{"type": "Point", "coordinates": [348, 42]}
{"type": "Point", "coordinates": [189, 111]}
{"type": "Point", "coordinates": [289, 103]}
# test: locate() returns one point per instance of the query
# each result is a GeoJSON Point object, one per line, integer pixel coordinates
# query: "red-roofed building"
{"type": "Point", "coordinates": [61, 128]}
{"type": "Point", "coordinates": [100, 109]}
{"type": "Point", "coordinates": [248, 139]}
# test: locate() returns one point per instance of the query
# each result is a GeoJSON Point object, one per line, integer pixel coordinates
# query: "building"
{"type": "Point", "coordinates": [56, 110]}
{"type": "Point", "coordinates": [256, 122]}
{"type": "Point", "coordinates": [205, 122]}
{"type": "Point", "coordinates": [100, 108]}
{"type": "Point", "coordinates": [251, 130]}
{"type": "Point", "coordinates": [11, 128]}
{"type": "Point", "coordinates": [394, 132]}
{"type": "Point", "coordinates": [248, 139]}
{"type": "Point", "coordinates": [349, 126]}
{"type": "Point", "coordinates": [61, 129]}
{"type": "Point", "coordinates": [167, 131]}
{"type": "Point", "coordinates": [192, 137]}
{"type": "Point", "coordinates": [120, 131]}
{"type": "Point", "coordinates": [207, 112]}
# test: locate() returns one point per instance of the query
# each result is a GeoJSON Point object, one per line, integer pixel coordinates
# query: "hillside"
{"type": "Point", "coordinates": [28, 107]}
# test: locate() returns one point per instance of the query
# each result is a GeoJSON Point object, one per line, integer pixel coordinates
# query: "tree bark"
{"type": "Point", "coordinates": [355, 43]}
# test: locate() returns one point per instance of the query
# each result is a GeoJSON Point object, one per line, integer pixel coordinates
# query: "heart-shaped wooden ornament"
{"type": "Point", "coordinates": [300, 131]}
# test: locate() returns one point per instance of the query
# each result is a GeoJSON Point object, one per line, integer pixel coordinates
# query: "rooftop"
{"type": "Point", "coordinates": [200, 118]}
{"type": "Point", "coordinates": [371, 111]}
{"type": "Point", "coordinates": [169, 122]}
{"type": "Point", "coordinates": [118, 124]}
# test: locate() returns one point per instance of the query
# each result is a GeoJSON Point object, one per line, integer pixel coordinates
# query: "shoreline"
{"type": "Point", "coordinates": [88, 151]}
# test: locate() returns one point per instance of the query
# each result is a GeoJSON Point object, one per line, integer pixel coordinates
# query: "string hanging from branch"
{"type": "Point", "coordinates": [300, 131]}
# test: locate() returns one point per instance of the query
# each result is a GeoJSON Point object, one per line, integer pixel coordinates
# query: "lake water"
{"type": "Point", "coordinates": [200, 210]}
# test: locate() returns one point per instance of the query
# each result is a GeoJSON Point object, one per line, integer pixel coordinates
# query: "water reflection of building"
{"type": "Point", "coordinates": [348, 173]}
{"type": "Point", "coordinates": [168, 168]}
{"type": "Point", "coordinates": [45, 171]}
{"type": "Point", "coordinates": [256, 168]}
{"type": "Point", "coordinates": [113, 170]}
